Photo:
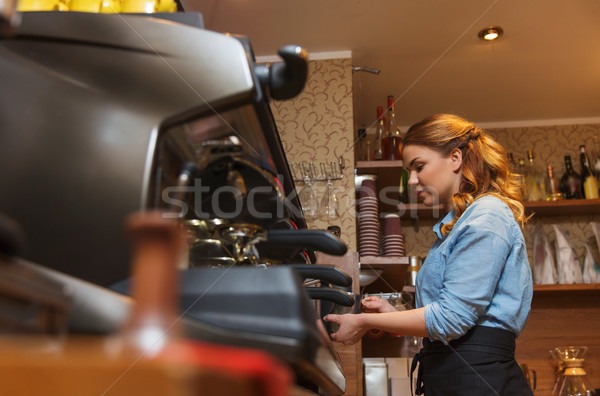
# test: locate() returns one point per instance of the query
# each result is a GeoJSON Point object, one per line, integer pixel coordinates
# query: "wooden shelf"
{"type": "Point", "coordinates": [566, 288]}
{"type": "Point", "coordinates": [393, 275]}
{"type": "Point", "coordinates": [373, 166]}
{"type": "Point", "coordinates": [571, 207]}
{"type": "Point", "coordinates": [567, 207]}
{"type": "Point", "coordinates": [420, 211]}
{"type": "Point", "coordinates": [382, 260]}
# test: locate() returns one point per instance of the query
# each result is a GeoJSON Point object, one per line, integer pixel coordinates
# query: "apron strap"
{"type": "Point", "coordinates": [417, 359]}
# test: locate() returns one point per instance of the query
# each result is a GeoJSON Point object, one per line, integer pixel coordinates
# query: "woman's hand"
{"type": "Point", "coordinates": [351, 328]}
{"type": "Point", "coordinates": [374, 304]}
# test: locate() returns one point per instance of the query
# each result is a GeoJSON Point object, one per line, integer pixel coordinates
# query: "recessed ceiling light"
{"type": "Point", "coordinates": [490, 33]}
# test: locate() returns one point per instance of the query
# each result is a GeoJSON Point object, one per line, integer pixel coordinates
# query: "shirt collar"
{"type": "Point", "coordinates": [437, 228]}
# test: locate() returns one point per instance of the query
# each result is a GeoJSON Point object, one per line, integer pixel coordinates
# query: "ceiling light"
{"type": "Point", "coordinates": [490, 33]}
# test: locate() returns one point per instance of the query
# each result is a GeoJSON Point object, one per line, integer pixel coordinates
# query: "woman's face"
{"type": "Point", "coordinates": [434, 177]}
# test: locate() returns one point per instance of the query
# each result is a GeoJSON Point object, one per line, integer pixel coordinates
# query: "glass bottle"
{"type": "Point", "coordinates": [589, 182]}
{"type": "Point", "coordinates": [521, 177]}
{"type": "Point", "coordinates": [361, 145]}
{"type": "Point", "coordinates": [403, 186]}
{"type": "Point", "coordinates": [392, 142]}
{"type": "Point", "coordinates": [596, 162]}
{"type": "Point", "coordinates": [552, 187]}
{"type": "Point", "coordinates": [517, 175]}
{"type": "Point", "coordinates": [368, 150]}
{"type": "Point", "coordinates": [534, 179]}
{"type": "Point", "coordinates": [570, 182]}
{"type": "Point", "coordinates": [376, 145]}
{"type": "Point", "coordinates": [511, 162]}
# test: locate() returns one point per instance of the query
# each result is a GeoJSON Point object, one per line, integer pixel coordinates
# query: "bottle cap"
{"type": "Point", "coordinates": [390, 101]}
{"type": "Point", "coordinates": [530, 154]}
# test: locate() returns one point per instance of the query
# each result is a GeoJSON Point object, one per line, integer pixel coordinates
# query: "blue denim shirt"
{"type": "Point", "coordinates": [477, 274]}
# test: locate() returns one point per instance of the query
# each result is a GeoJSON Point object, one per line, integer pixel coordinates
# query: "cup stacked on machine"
{"type": "Point", "coordinates": [393, 240]}
{"type": "Point", "coordinates": [368, 219]}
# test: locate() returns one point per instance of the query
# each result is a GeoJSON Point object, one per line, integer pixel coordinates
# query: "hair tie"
{"type": "Point", "coordinates": [475, 133]}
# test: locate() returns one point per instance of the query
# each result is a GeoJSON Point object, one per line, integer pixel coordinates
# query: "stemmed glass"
{"type": "Point", "coordinates": [329, 208]}
{"type": "Point", "coordinates": [307, 196]}
{"type": "Point", "coordinates": [329, 203]}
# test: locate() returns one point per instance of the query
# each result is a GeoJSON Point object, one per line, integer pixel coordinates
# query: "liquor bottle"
{"type": "Point", "coordinates": [516, 173]}
{"type": "Point", "coordinates": [521, 166]}
{"type": "Point", "coordinates": [376, 145]}
{"type": "Point", "coordinates": [596, 162]}
{"type": "Point", "coordinates": [534, 179]}
{"type": "Point", "coordinates": [361, 145]}
{"type": "Point", "coordinates": [552, 186]}
{"type": "Point", "coordinates": [403, 185]}
{"type": "Point", "coordinates": [368, 150]}
{"type": "Point", "coordinates": [511, 162]}
{"type": "Point", "coordinates": [570, 182]}
{"type": "Point", "coordinates": [589, 183]}
{"type": "Point", "coordinates": [521, 177]}
{"type": "Point", "coordinates": [391, 144]}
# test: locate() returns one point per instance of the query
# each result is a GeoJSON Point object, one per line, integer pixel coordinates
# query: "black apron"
{"type": "Point", "coordinates": [480, 363]}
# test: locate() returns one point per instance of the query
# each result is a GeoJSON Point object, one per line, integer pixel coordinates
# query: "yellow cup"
{"type": "Point", "coordinates": [167, 6]}
{"type": "Point", "coordinates": [110, 6]}
{"type": "Point", "coordinates": [143, 6]}
{"type": "Point", "coordinates": [41, 5]}
{"type": "Point", "coordinates": [85, 5]}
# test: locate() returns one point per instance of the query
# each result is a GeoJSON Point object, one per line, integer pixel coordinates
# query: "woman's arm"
{"type": "Point", "coordinates": [353, 327]}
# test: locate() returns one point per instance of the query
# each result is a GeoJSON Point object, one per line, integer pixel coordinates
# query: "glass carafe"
{"type": "Point", "coordinates": [572, 379]}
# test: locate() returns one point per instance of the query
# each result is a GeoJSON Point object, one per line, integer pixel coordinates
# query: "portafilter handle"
{"type": "Point", "coordinates": [327, 273]}
{"type": "Point", "coordinates": [337, 296]}
{"type": "Point", "coordinates": [320, 240]}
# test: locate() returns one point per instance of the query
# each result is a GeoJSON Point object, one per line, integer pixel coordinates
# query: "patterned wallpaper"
{"type": "Point", "coordinates": [317, 126]}
{"type": "Point", "coordinates": [550, 144]}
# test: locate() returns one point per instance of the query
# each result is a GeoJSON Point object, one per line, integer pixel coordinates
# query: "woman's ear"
{"type": "Point", "coordinates": [455, 157]}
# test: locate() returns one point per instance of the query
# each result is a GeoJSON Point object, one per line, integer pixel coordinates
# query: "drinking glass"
{"type": "Point", "coordinates": [308, 199]}
{"type": "Point", "coordinates": [329, 203]}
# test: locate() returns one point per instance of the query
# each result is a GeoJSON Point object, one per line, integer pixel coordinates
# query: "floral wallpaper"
{"type": "Point", "coordinates": [317, 126]}
{"type": "Point", "coordinates": [550, 144]}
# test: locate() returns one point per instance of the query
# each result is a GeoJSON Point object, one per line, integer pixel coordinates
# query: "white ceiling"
{"type": "Point", "coordinates": [545, 67]}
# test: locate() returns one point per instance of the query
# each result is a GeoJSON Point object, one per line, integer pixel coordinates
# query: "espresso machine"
{"type": "Point", "coordinates": [103, 115]}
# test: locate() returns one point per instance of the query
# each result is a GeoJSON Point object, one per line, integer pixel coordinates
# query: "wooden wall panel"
{"type": "Point", "coordinates": [560, 319]}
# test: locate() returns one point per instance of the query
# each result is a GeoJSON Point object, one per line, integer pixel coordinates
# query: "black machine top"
{"type": "Point", "coordinates": [94, 112]}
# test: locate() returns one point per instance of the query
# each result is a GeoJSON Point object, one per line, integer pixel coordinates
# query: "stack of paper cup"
{"type": "Point", "coordinates": [393, 240]}
{"type": "Point", "coordinates": [368, 220]}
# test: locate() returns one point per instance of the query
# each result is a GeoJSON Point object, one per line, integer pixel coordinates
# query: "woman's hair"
{"type": "Point", "coordinates": [485, 168]}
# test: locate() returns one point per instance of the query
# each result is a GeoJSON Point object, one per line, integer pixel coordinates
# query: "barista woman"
{"type": "Point", "coordinates": [474, 290]}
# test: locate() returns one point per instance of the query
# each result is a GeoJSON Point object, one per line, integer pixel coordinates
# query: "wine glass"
{"type": "Point", "coordinates": [329, 208]}
{"type": "Point", "coordinates": [308, 199]}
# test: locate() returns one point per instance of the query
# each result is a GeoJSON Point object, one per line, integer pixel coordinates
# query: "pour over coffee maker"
{"type": "Point", "coordinates": [571, 379]}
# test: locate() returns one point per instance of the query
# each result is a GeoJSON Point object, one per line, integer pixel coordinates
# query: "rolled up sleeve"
{"type": "Point", "coordinates": [474, 264]}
